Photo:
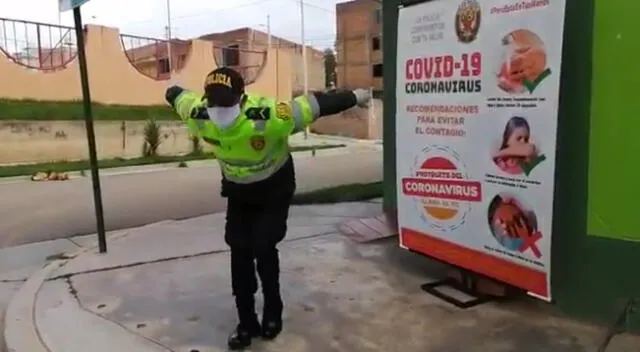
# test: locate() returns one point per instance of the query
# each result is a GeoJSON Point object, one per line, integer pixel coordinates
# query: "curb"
{"type": "Point", "coordinates": [21, 331]}
{"type": "Point", "coordinates": [127, 170]}
{"type": "Point", "coordinates": [345, 139]}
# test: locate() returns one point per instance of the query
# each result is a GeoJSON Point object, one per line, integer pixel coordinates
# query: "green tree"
{"type": "Point", "coordinates": [329, 67]}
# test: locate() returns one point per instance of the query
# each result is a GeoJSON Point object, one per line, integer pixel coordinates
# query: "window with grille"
{"type": "Point", "coordinates": [377, 15]}
{"type": "Point", "coordinates": [232, 55]}
{"type": "Point", "coordinates": [376, 70]}
{"type": "Point", "coordinates": [163, 66]}
{"type": "Point", "coordinates": [375, 43]}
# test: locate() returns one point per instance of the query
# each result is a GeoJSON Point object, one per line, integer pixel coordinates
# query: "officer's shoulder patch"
{"type": "Point", "coordinates": [258, 113]}
{"type": "Point", "coordinates": [283, 111]}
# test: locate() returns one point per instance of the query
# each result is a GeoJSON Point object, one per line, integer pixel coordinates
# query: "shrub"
{"type": "Point", "coordinates": [196, 145]}
{"type": "Point", "coordinates": [152, 138]}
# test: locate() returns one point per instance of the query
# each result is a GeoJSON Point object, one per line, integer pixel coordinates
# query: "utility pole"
{"type": "Point", "coordinates": [170, 58]}
{"type": "Point", "coordinates": [305, 67]}
{"type": "Point", "coordinates": [269, 31]}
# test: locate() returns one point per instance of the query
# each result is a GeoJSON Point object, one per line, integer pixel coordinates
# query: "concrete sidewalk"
{"type": "Point", "coordinates": [165, 287]}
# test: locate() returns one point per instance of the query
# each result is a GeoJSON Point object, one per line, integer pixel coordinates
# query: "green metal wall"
{"type": "Point", "coordinates": [615, 123]}
{"type": "Point", "coordinates": [593, 277]}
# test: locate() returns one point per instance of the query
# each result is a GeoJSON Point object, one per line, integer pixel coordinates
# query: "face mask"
{"type": "Point", "coordinates": [222, 116]}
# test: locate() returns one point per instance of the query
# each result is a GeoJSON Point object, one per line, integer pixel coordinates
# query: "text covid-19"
{"type": "Point", "coordinates": [444, 74]}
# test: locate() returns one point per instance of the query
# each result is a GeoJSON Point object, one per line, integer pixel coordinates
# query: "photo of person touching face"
{"type": "Point", "coordinates": [517, 153]}
{"type": "Point", "coordinates": [511, 223]}
{"type": "Point", "coordinates": [524, 62]}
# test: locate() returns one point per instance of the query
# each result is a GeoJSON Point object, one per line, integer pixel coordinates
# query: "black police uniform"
{"type": "Point", "coordinates": [257, 221]}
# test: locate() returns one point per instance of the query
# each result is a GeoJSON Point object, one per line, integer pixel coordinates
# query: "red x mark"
{"type": "Point", "coordinates": [530, 242]}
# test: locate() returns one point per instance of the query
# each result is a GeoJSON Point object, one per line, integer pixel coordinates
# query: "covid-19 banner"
{"type": "Point", "coordinates": [477, 111]}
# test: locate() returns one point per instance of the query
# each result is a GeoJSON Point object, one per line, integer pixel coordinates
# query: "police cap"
{"type": "Point", "coordinates": [223, 87]}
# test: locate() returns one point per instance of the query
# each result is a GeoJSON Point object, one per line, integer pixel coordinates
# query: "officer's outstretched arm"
{"type": "Point", "coordinates": [187, 104]}
{"type": "Point", "coordinates": [308, 108]}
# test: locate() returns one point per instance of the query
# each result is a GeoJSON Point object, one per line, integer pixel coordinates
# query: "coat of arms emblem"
{"type": "Point", "coordinates": [468, 21]}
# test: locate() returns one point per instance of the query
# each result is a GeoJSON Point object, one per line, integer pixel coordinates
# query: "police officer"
{"type": "Point", "coordinates": [249, 134]}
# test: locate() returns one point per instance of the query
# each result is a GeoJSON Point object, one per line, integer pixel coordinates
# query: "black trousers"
{"type": "Point", "coordinates": [257, 216]}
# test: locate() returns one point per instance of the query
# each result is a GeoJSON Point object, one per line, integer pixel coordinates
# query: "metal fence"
{"type": "Point", "coordinates": [51, 47]}
{"type": "Point", "coordinates": [37, 46]}
{"type": "Point", "coordinates": [150, 56]}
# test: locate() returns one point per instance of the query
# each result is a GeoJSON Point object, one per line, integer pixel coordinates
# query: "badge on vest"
{"type": "Point", "coordinates": [257, 143]}
{"type": "Point", "coordinates": [258, 114]}
{"type": "Point", "coordinates": [283, 111]}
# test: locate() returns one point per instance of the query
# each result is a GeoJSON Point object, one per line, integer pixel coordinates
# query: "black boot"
{"type": "Point", "coordinates": [241, 336]}
{"type": "Point", "coordinates": [271, 328]}
{"type": "Point", "coordinates": [272, 316]}
{"type": "Point", "coordinates": [248, 327]}
{"type": "Point", "coordinates": [269, 271]}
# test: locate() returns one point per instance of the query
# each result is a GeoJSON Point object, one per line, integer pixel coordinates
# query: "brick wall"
{"type": "Point", "coordinates": [359, 44]}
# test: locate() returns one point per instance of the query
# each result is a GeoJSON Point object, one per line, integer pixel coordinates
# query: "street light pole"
{"type": "Point", "coordinates": [269, 31]}
{"type": "Point", "coordinates": [169, 37]}
{"type": "Point", "coordinates": [304, 58]}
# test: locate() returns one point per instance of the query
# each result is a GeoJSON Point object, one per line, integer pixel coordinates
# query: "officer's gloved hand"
{"type": "Point", "coordinates": [173, 91]}
{"type": "Point", "coordinates": [363, 96]}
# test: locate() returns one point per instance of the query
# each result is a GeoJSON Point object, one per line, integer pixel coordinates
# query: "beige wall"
{"type": "Point", "coordinates": [258, 40]}
{"type": "Point", "coordinates": [113, 79]}
{"type": "Point", "coordinates": [24, 141]}
{"type": "Point", "coordinates": [315, 70]}
{"type": "Point", "coordinates": [354, 123]}
{"type": "Point", "coordinates": [255, 40]}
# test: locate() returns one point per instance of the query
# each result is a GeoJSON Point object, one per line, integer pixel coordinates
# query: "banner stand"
{"type": "Point", "coordinates": [479, 288]}
{"type": "Point", "coordinates": [478, 298]}
{"type": "Point", "coordinates": [477, 93]}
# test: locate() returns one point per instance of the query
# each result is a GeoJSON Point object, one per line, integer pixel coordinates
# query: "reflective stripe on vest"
{"type": "Point", "coordinates": [254, 173]}
{"type": "Point", "coordinates": [243, 171]}
{"type": "Point", "coordinates": [302, 112]}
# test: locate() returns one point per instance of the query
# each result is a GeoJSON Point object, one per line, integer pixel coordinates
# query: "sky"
{"type": "Point", "coordinates": [190, 18]}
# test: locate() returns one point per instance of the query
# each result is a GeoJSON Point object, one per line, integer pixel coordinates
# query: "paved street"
{"type": "Point", "coordinates": [33, 211]}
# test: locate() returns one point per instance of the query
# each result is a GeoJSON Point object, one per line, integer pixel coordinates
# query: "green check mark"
{"type": "Point", "coordinates": [532, 85]}
{"type": "Point", "coordinates": [528, 167]}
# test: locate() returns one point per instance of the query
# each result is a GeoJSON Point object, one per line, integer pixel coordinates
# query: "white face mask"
{"type": "Point", "coordinates": [224, 117]}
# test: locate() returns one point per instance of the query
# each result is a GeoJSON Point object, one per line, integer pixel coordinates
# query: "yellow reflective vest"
{"type": "Point", "coordinates": [256, 145]}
